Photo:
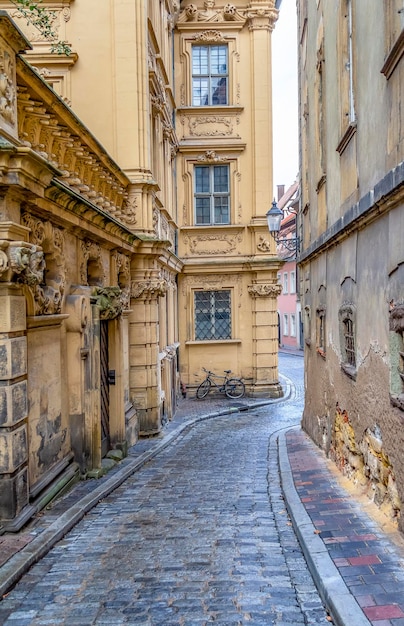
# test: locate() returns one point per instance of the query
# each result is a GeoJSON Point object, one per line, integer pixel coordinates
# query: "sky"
{"type": "Point", "coordinates": [284, 96]}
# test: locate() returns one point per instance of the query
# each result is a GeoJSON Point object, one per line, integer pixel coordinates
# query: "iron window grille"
{"type": "Point", "coordinates": [212, 315]}
{"type": "Point", "coordinates": [212, 194]}
{"type": "Point", "coordinates": [347, 320]}
{"type": "Point", "coordinates": [209, 75]}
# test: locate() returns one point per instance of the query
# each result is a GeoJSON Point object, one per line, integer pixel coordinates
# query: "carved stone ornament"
{"type": "Point", "coordinates": [48, 295]}
{"type": "Point", "coordinates": [108, 300]}
{"type": "Point", "coordinates": [210, 156]}
{"type": "Point", "coordinates": [148, 289]}
{"type": "Point", "coordinates": [26, 262]}
{"type": "Point", "coordinates": [211, 14]}
{"type": "Point", "coordinates": [264, 291]}
{"type": "Point", "coordinates": [264, 245]}
{"type": "Point", "coordinates": [396, 318]}
{"type": "Point", "coordinates": [91, 251]}
{"type": "Point", "coordinates": [209, 36]}
{"type": "Point", "coordinates": [262, 18]}
{"type": "Point", "coordinates": [213, 243]}
{"type": "Point", "coordinates": [220, 126]}
{"type": "Point", "coordinates": [7, 88]}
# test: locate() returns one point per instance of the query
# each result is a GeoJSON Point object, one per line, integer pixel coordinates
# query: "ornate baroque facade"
{"type": "Point", "coordinates": [352, 264]}
{"type": "Point", "coordinates": [133, 245]}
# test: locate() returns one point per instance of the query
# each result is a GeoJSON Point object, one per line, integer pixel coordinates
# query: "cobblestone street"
{"type": "Point", "coordinates": [200, 534]}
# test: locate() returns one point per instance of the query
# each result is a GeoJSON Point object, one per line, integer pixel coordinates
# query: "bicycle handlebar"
{"type": "Point", "coordinates": [213, 373]}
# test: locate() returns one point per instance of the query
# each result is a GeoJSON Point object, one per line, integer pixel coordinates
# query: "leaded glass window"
{"type": "Point", "coordinates": [212, 315]}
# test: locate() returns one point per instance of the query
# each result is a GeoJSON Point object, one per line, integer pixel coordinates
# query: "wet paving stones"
{"type": "Point", "coordinates": [199, 535]}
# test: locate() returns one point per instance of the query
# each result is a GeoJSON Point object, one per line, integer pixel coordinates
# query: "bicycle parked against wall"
{"type": "Point", "coordinates": [232, 387]}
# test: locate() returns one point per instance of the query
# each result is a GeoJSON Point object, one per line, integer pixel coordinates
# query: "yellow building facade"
{"type": "Point", "coordinates": [228, 286]}
{"type": "Point", "coordinates": [134, 246]}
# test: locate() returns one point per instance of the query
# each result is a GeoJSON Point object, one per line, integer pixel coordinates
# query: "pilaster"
{"type": "Point", "coordinates": [144, 363]}
{"type": "Point", "coordinates": [265, 340]}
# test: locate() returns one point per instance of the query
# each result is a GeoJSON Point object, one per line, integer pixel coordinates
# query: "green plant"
{"type": "Point", "coordinates": [42, 19]}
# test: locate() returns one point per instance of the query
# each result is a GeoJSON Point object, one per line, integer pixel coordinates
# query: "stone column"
{"type": "Point", "coordinates": [265, 340]}
{"type": "Point", "coordinates": [144, 363]}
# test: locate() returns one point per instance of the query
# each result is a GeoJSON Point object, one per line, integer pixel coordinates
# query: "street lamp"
{"type": "Point", "coordinates": [274, 218]}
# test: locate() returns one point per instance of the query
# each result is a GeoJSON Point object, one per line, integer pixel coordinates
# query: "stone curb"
{"type": "Point", "coordinates": [20, 563]}
{"type": "Point", "coordinates": [335, 594]}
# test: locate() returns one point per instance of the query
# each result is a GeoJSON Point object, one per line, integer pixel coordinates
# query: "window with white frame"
{"type": "Point", "coordinates": [285, 324]}
{"type": "Point", "coordinates": [212, 315]}
{"type": "Point", "coordinates": [293, 325]}
{"type": "Point", "coordinates": [209, 75]}
{"type": "Point", "coordinates": [292, 281]}
{"type": "Point", "coordinates": [285, 283]}
{"type": "Point", "coordinates": [212, 194]}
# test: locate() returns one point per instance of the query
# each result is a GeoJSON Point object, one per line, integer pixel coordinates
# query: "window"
{"type": "Point", "coordinates": [285, 282]}
{"type": "Point", "coordinates": [397, 355]}
{"type": "Point", "coordinates": [209, 75]}
{"type": "Point", "coordinates": [320, 339]}
{"type": "Point", "coordinates": [212, 315]}
{"type": "Point", "coordinates": [293, 325]}
{"type": "Point", "coordinates": [394, 34]}
{"type": "Point", "coordinates": [212, 194]}
{"type": "Point", "coordinates": [347, 67]}
{"type": "Point", "coordinates": [279, 277]}
{"type": "Point", "coordinates": [347, 339]}
{"type": "Point", "coordinates": [292, 282]}
{"type": "Point", "coordinates": [285, 324]}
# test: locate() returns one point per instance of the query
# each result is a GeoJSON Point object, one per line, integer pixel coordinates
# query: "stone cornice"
{"type": "Point", "coordinates": [49, 128]}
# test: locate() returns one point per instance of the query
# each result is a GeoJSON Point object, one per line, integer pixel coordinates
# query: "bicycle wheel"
{"type": "Point", "coordinates": [203, 389]}
{"type": "Point", "coordinates": [234, 388]}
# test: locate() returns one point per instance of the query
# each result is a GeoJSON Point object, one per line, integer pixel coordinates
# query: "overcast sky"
{"type": "Point", "coordinates": [285, 110]}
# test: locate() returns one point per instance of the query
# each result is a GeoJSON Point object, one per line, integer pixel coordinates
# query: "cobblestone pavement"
{"type": "Point", "coordinates": [200, 534]}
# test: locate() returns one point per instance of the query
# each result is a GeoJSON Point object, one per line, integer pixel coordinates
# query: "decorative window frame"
{"type": "Point", "coordinates": [346, 313]}
{"type": "Point", "coordinates": [396, 327]}
{"type": "Point", "coordinates": [209, 37]}
{"type": "Point", "coordinates": [211, 157]}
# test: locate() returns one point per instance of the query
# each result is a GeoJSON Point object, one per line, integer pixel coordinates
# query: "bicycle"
{"type": "Point", "coordinates": [232, 387]}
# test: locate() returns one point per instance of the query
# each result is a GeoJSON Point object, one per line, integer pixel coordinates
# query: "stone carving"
{"type": "Point", "coordinates": [221, 126]}
{"type": "Point", "coordinates": [228, 243]}
{"type": "Point", "coordinates": [129, 209]}
{"type": "Point", "coordinates": [108, 300]}
{"type": "Point", "coordinates": [209, 36]}
{"type": "Point", "coordinates": [122, 264]}
{"type": "Point", "coordinates": [211, 14]}
{"type": "Point", "coordinates": [262, 18]}
{"type": "Point", "coordinates": [264, 291]}
{"type": "Point", "coordinates": [148, 289]}
{"type": "Point", "coordinates": [264, 245]}
{"type": "Point", "coordinates": [91, 251]}
{"type": "Point", "coordinates": [7, 88]}
{"type": "Point", "coordinates": [22, 262]}
{"type": "Point", "coordinates": [48, 295]}
{"type": "Point", "coordinates": [210, 156]}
